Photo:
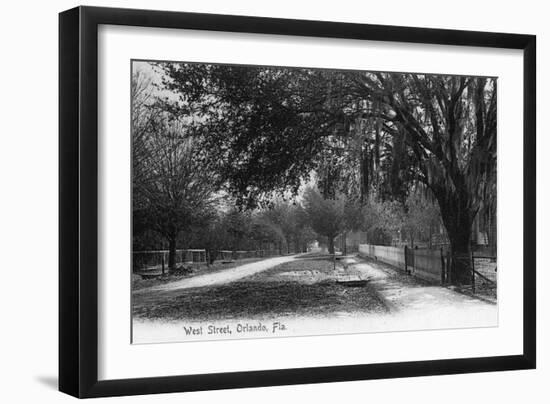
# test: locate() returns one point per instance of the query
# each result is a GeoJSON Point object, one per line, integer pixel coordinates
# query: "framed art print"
{"type": "Point", "coordinates": [250, 201]}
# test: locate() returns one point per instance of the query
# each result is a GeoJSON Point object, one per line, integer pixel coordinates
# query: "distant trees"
{"type": "Point", "coordinates": [326, 216]}
{"type": "Point", "coordinates": [382, 220]}
{"type": "Point", "coordinates": [421, 218]}
{"type": "Point", "coordinates": [236, 230]}
{"type": "Point", "coordinates": [279, 218]}
{"type": "Point", "coordinates": [288, 222]}
{"type": "Point", "coordinates": [415, 220]}
{"type": "Point", "coordinates": [210, 235]}
{"type": "Point", "coordinates": [302, 234]}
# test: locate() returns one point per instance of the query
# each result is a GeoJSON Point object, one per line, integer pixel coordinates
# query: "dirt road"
{"type": "Point", "coordinates": [221, 277]}
{"type": "Point", "coordinates": [424, 304]}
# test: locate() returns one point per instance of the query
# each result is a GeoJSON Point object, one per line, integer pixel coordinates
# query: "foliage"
{"type": "Point", "coordinates": [171, 190]}
{"type": "Point", "coordinates": [288, 223]}
{"type": "Point", "coordinates": [264, 128]}
{"type": "Point", "coordinates": [382, 220]}
{"type": "Point", "coordinates": [449, 125]}
{"type": "Point", "coordinates": [327, 217]}
{"type": "Point", "coordinates": [421, 217]}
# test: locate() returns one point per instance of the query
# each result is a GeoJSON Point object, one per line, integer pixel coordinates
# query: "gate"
{"type": "Point", "coordinates": [483, 271]}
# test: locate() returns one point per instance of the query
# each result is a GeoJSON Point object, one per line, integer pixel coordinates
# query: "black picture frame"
{"type": "Point", "coordinates": [78, 201]}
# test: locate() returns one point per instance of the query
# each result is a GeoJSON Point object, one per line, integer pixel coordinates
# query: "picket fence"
{"type": "Point", "coordinates": [422, 263]}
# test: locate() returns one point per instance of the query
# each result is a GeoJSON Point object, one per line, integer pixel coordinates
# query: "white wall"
{"type": "Point", "coordinates": [28, 202]}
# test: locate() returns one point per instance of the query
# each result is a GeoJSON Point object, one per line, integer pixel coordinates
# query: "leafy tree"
{"type": "Point", "coordinates": [326, 216]}
{"type": "Point", "coordinates": [303, 234]}
{"type": "Point", "coordinates": [171, 190]}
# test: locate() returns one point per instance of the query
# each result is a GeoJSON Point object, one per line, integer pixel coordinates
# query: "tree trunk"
{"type": "Point", "coordinates": [458, 218]}
{"type": "Point", "coordinates": [461, 257]}
{"type": "Point", "coordinates": [331, 244]}
{"type": "Point", "coordinates": [172, 253]}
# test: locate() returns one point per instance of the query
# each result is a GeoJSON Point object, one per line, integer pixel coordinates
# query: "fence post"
{"type": "Point", "coordinates": [163, 263]}
{"type": "Point", "coordinates": [473, 272]}
{"type": "Point", "coordinates": [442, 266]}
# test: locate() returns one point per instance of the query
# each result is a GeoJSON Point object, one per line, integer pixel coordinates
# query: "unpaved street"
{"type": "Point", "coordinates": [303, 295]}
{"type": "Point", "coordinates": [220, 277]}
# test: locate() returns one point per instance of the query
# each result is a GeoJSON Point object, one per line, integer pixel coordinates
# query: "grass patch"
{"type": "Point", "coordinates": [307, 266]}
{"type": "Point", "coordinates": [310, 291]}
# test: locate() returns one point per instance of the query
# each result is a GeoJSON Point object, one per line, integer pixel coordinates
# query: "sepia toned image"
{"type": "Point", "coordinates": [281, 201]}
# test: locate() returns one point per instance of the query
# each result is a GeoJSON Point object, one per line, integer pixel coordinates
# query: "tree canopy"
{"type": "Point", "coordinates": [267, 128]}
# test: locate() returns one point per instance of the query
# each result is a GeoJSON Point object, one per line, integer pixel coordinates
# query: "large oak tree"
{"type": "Point", "coordinates": [449, 123]}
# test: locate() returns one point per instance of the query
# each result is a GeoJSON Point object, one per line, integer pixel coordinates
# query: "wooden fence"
{"type": "Point", "coordinates": [422, 263]}
{"type": "Point", "coordinates": [434, 265]}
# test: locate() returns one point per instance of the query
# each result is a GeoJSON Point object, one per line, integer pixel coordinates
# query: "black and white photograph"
{"type": "Point", "coordinates": [273, 201]}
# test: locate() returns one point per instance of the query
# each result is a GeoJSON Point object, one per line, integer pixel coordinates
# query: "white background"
{"type": "Point", "coordinates": [28, 203]}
